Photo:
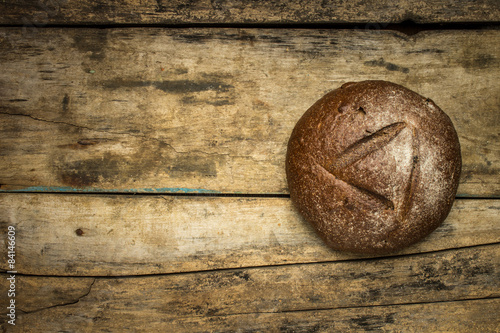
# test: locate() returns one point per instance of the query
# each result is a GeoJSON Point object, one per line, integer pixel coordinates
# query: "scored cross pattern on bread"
{"type": "Point", "coordinates": [364, 147]}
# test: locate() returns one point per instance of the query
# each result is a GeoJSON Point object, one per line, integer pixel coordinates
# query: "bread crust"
{"type": "Point", "coordinates": [373, 166]}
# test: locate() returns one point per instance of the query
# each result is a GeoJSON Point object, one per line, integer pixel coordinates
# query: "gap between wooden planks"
{"type": "Point", "coordinates": [101, 235]}
{"type": "Point", "coordinates": [210, 110]}
{"type": "Point", "coordinates": [34, 13]}
{"type": "Point", "coordinates": [389, 291]}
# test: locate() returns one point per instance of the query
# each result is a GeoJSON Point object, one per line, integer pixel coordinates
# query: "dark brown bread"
{"type": "Point", "coordinates": [373, 166]}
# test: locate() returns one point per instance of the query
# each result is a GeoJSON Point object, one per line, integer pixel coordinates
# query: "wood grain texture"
{"type": "Point", "coordinates": [289, 296]}
{"type": "Point", "coordinates": [211, 110]}
{"type": "Point", "coordinates": [90, 235]}
{"type": "Point", "coordinates": [460, 316]}
{"type": "Point", "coordinates": [42, 12]}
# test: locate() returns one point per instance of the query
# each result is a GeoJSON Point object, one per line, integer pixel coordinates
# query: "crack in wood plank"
{"type": "Point", "coordinates": [64, 304]}
{"type": "Point", "coordinates": [448, 269]}
{"type": "Point", "coordinates": [141, 136]}
{"type": "Point", "coordinates": [257, 267]}
{"type": "Point", "coordinates": [358, 306]}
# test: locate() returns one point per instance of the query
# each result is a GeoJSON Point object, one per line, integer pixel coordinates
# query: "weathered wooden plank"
{"type": "Point", "coordinates": [42, 12]}
{"type": "Point", "coordinates": [86, 235]}
{"type": "Point", "coordinates": [362, 293]}
{"type": "Point", "coordinates": [205, 110]}
{"type": "Point", "coordinates": [460, 316]}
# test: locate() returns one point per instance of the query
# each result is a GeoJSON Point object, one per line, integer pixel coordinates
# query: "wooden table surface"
{"type": "Point", "coordinates": [142, 148]}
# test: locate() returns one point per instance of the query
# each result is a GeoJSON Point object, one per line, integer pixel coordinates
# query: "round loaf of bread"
{"type": "Point", "coordinates": [373, 166]}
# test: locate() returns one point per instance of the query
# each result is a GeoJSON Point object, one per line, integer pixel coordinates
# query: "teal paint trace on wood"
{"type": "Point", "coordinates": [67, 189]}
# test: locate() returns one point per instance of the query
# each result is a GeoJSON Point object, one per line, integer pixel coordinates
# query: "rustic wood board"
{"type": "Point", "coordinates": [95, 235]}
{"type": "Point", "coordinates": [391, 291]}
{"type": "Point", "coordinates": [460, 316]}
{"type": "Point", "coordinates": [211, 110]}
{"type": "Point", "coordinates": [41, 12]}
